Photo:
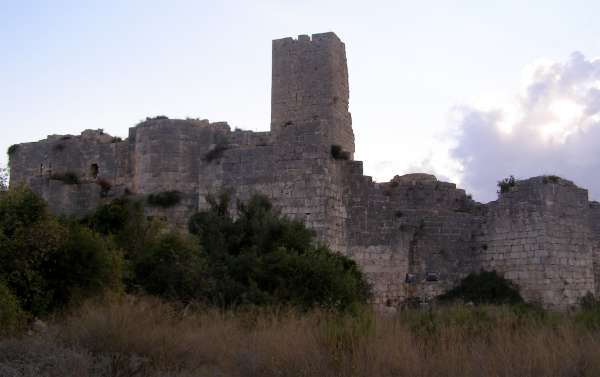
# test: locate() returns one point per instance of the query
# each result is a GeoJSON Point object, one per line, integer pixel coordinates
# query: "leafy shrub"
{"type": "Point", "coordinates": [11, 313]}
{"type": "Point", "coordinates": [216, 152]}
{"type": "Point", "coordinates": [123, 220]}
{"type": "Point", "coordinates": [83, 266]}
{"type": "Point", "coordinates": [69, 178]}
{"type": "Point", "coordinates": [164, 199]}
{"type": "Point", "coordinates": [262, 258]}
{"type": "Point", "coordinates": [485, 287]}
{"type": "Point", "coordinates": [507, 184]}
{"type": "Point", "coordinates": [550, 179]}
{"type": "Point", "coordinates": [45, 263]}
{"type": "Point", "coordinates": [172, 267]}
{"type": "Point", "coordinates": [116, 139]}
{"type": "Point", "coordinates": [12, 149]}
{"type": "Point", "coordinates": [19, 208]}
{"type": "Point", "coordinates": [338, 153]}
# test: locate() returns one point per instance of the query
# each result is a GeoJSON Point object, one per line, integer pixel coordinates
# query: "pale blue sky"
{"type": "Point", "coordinates": [71, 65]}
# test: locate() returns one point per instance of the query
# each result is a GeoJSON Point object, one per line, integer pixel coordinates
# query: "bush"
{"type": "Point", "coordinates": [69, 178]}
{"type": "Point", "coordinates": [85, 265]}
{"type": "Point", "coordinates": [172, 267]}
{"type": "Point", "coordinates": [45, 263]}
{"type": "Point", "coordinates": [485, 287]}
{"type": "Point", "coordinates": [216, 152]}
{"type": "Point", "coordinates": [11, 314]}
{"type": "Point", "coordinates": [164, 199]}
{"type": "Point", "coordinates": [123, 220]}
{"type": "Point", "coordinates": [507, 184]}
{"type": "Point", "coordinates": [550, 179]}
{"type": "Point", "coordinates": [262, 258]}
{"type": "Point", "coordinates": [12, 149]}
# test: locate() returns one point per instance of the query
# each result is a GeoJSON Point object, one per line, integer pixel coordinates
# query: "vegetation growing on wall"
{"type": "Point", "coordinates": [12, 149]}
{"type": "Point", "coordinates": [216, 152]}
{"type": "Point", "coordinates": [506, 184]}
{"type": "Point", "coordinates": [164, 199]}
{"type": "Point", "coordinates": [550, 179]}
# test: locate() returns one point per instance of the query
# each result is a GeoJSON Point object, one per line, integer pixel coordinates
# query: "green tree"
{"type": "Point", "coordinates": [172, 267]}
{"type": "Point", "coordinates": [46, 263]}
{"type": "Point", "coordinates": [263, 258]}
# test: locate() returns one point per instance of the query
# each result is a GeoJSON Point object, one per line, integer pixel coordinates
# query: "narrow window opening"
{"type": "Point", "coordinates": [94, 171]}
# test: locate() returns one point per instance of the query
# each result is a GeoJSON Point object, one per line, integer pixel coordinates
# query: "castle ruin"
{"type": "Point", "coordinates": [414, 236]}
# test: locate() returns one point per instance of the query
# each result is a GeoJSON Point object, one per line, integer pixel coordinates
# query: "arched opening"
{"type": "Point", "coordinates": [94, 171]}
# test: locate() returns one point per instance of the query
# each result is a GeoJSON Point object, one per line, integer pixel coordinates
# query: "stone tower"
{"type": "Point", "coordinates": [310, 89]}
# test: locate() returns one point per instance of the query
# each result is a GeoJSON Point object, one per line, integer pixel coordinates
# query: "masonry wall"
{"type": "Point", "coordinates": [594, 221]}
{"type": "Point", "coordinates": [93, 157]}
{"type": "Point", "coordinates": [413, 237]}
{"type": "Point", "coordinates": [538, 236]}
{"type": "Point", "coordinates": [310, 85]}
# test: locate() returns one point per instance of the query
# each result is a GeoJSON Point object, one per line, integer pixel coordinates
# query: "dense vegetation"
{"type": "Point", "coordinates": [261, 258]}
{"type": "Point", "coordinates": [48, 264]}
{"type": "Point", "coordinates": [250, 294]}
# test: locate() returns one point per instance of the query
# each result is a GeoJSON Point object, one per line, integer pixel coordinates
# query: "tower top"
{"type": "Point", "coordinates": [310, 85]}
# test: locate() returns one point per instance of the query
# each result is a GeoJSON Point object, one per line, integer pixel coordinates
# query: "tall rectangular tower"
{"type": "Point", "coordinates": [310, 88]}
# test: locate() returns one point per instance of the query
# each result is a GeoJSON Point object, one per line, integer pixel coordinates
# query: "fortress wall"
{"type": "Point", "coordinates": [93, 157]}
{"type": "Point", "coordinates": [302, 182]}
{"type": "Point", "coordinates": [374, 239]}
{"type": "Point", "coordinates": [167, 154]}
{"type": "Point", "coordinates": [413, 237]}
{"type": "Point", "coordinates": [594, 219]}
{"type": "Point", "coordinates": [538, 236]}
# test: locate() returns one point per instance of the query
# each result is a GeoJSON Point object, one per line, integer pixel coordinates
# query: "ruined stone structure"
{"type": "Point", "coordinates": [413, 236]}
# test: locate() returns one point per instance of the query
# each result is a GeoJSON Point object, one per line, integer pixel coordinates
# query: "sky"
{"type": "Point", "coordinates": [472, 91]}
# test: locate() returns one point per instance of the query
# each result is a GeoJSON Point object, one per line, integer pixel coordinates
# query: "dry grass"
{"type": "Point", "coordinates": [147, 337]}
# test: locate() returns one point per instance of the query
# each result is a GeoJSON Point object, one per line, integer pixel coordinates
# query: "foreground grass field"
{"type": "Point", "coordinates": [147, 337]}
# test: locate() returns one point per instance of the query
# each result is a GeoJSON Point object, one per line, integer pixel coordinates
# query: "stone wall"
{"type": "Point", "coordinates": [538, 235]}
{"type": "Point", "coordinates": [310, 85]}
{"type": "Point", "coordinates": [594, 219]}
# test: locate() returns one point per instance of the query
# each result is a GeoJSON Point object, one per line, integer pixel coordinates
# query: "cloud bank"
{"type": "Point", "coordinates": [553, 127]}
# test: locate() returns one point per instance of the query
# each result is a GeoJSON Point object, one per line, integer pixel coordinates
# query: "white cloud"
{"type": "Point", "coordinates": [552, 128]}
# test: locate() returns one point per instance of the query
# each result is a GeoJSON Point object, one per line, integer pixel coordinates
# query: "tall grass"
{"type": "Point", "coordinates": [146, 337]}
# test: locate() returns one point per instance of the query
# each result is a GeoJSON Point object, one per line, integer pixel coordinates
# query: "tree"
{"type": "Point", "coordinates": [172, 267]}
{"type": "Point", "coordinates": [4, 174]}
{"type": "Point", "coordinates": [263, 258]}
{"type": "Point", "coordinates": [48, 264]}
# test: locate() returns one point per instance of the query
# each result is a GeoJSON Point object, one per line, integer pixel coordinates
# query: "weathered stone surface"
{"type": "Point", "coordinates": [414, 236]}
